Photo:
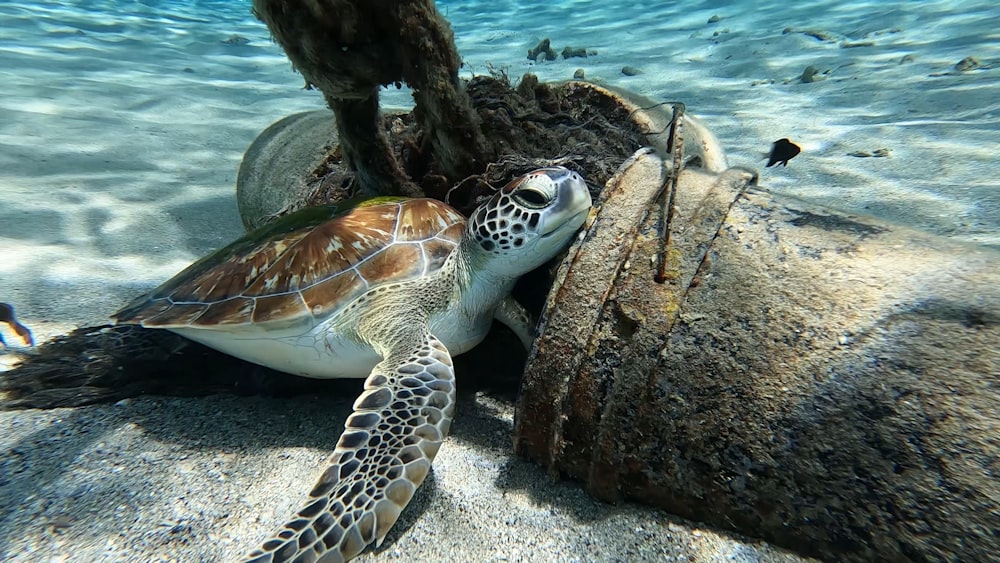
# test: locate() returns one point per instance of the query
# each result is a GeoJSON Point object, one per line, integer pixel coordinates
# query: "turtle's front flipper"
{"type": "Point", "coordinates": [383, 455]}
{"type": "Point", "coordinates": [517, 318]}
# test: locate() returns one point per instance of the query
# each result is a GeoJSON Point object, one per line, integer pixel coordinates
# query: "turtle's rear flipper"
{"type": "Point", "coordinates": [109, 363]}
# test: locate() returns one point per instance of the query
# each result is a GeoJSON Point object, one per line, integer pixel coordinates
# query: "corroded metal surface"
{"type": "Point", "coordinates": [816, 379]}
{"type": "Point", "coordinates": [583, 288]}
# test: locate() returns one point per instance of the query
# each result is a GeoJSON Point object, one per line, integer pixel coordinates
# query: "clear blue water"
{"type": "Point", "coordinates": [122, 123]}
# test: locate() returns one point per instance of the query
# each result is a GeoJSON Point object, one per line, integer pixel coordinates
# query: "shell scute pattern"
{"type": "Point", "coordinates": [313, 262]}
{"type": "Point", "coordinates": [222, 312]}
{"type": "Point", "coordinates": [269, 308]}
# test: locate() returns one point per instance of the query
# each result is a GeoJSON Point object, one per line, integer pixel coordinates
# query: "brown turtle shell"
{"type": "Point", "coordinates": [312, 262]}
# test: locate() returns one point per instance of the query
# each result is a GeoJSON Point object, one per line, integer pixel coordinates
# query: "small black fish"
{"type": "Point", "coordinates": [782, 151]}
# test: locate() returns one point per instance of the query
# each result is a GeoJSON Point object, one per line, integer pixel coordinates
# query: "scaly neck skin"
{"type": "Point", "coordinates": [482, 277]}
{"type": "Point", "coordinates": [466, 319]}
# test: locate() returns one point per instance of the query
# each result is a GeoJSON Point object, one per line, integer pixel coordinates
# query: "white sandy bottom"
{"type": "Point", "coordinates": [121, 129]}
{"type": "Point", "coordinates": [206, 479]}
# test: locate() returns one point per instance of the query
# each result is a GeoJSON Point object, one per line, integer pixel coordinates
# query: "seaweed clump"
{"type": "Point", "coordinates": [533, 124]}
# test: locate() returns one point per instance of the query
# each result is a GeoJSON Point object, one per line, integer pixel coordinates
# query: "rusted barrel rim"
{"type": "Point", "coordinates": [594, 263]}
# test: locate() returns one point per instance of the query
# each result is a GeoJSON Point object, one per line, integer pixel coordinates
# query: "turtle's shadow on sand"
{"type": "Point", "coordinates": [62, 477]}
{"type": "Point", "coordinates": [62, 473]}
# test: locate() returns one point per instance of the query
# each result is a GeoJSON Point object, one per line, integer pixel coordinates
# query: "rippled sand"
{"type": "Point", "coordinates": [121, 129]}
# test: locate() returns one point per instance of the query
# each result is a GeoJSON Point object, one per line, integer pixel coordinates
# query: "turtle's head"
{"type": "Point", "coordinates": [529, 220]}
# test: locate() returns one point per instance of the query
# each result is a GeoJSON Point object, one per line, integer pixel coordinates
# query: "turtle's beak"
{"type": "Point", "coordinates": [572, 201]}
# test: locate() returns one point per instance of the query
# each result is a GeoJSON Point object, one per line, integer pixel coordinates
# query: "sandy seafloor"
{"type": "Point", "coordinates": [122, 125]}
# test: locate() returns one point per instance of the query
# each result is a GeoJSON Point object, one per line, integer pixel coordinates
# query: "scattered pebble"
{"type": "Point", "coordinates": [814, 33]}
{"type": "Point", "coordinates": [853, 44]}
{"type": "Point", "coordinates": [968, 63]}
{"type": "Point", "coordinates": [542, 51]}
{"type": "Point", "coordinates": [579, 74]}
{"type": "Point", "coordinates": [714, 19]}
{"type": "Point", "coordinates": [236, 40]}
{"type": "Point", "coordinates": [630, 70]}
{"type": "Point", "coordinates": [879, 32]}
{"type": "Point", "coordinates": [59, 524]}
{"type": "Point", "coordinates": [962, 66]}
{"type": "Point", "coordinates": [570, 52]}
{"type": "Point", "coordinates": [810, 74]}
{"type": "Point", "coordinates": [877, 153]}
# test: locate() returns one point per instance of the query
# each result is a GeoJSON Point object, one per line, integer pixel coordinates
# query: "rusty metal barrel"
{"type": "Point", "coordinates": [820, 380]}
{"type": "Point", "coordinates": [824, 381]}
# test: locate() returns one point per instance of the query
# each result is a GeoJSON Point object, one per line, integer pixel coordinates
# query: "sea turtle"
{"type": "Point", "coordinates": [388, 289]}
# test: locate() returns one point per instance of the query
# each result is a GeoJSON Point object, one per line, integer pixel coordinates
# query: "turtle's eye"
{"type": "Point", "coordinates": [531, 198]}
